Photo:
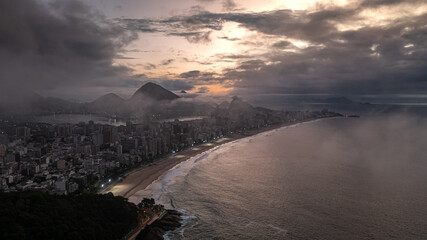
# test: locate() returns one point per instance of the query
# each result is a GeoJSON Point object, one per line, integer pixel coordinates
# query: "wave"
{"type": "Point", "coordinates": [160, 186]}
{"type": "Point", "coordinates": [160, 189]}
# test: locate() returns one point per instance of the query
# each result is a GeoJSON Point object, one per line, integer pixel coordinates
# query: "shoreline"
{"type": "Point", "coordinates": [140, 178]}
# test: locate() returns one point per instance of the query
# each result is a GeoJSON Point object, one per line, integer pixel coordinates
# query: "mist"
{"type": "Point", "coordinates": [390, 148]}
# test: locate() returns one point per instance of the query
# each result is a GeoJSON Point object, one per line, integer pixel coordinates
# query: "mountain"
{"type": "Point", "coordinates": [108, 103]}
{"type": "Point", "coordinates": [108, 100]}
{"type": "Point", "coordinates": [152, 91]}
{"type": "Point", "coordinates": [30, 103]}
{"type": "Point", "coordinates": [240, 106]}
{"type": "Point", "coordinates": [53, 104]}
{"type": "Point", "coordinates": [223, 105]}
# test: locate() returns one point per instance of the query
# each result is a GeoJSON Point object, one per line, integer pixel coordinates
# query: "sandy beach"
{"type": "Point", "coordinates": [140, 178]}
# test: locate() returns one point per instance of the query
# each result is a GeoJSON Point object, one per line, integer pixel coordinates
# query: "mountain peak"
{"type": "Point", "coordinates": [238, 104]}
{"type": "Point", "coordinates": [110, 96]}
{"type": "Point", "coordinates": [154, 91]}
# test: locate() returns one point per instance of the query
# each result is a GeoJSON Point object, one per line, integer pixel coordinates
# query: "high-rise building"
{"type": "Point", "coordinates": [23, 132]}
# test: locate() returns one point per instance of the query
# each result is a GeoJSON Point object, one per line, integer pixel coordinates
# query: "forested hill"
{"type": "Point", "coordinates": [39, 215]}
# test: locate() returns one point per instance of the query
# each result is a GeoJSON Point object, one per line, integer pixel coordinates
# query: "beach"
{"type": "Point", "coordinates": [141, 178]}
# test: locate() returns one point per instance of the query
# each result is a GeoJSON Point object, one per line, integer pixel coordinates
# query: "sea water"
{"type": "Point", "coordinates": [336, 178]}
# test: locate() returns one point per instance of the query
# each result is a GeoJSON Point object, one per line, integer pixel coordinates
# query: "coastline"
{"type": "Point", "coordinates": [140, 178]}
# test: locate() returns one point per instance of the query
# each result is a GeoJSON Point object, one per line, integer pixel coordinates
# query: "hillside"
{"type": "Point", "coordinates": [39, 215]}
{"type": "Point", "coordinates": [153, 91]}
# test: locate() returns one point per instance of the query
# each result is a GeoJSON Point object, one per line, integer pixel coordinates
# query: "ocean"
{"type": "Point", "coordinates": [355, 178]}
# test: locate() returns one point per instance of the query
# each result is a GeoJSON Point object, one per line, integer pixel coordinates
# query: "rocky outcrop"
{"type": "Point", "coordinates": [170, 221]}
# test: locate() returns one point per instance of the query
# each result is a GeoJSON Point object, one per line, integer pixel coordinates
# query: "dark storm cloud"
{"type": "Point", "coordinates": [141, 25]}
{"type": "Point", "coordinates": [297, 24]}
{"type": "Point", "coordinates": [193, 29]}
{"type": "Point", "coordinates": [281, 44]}
{"type": "Point", "coordinates": [67, 43]}
{"type": "Point", "coordinates": [176, 85]}
{"type": "Point", "coordinates": [198, 77]}
{"type": "Point", "coordinates": [377, 3]}
{"type": "Point", "coordinates": [370, 59]}
{"type": "Point", "coordinates": [190, 74]}
{"type": "Point", "coordinates": [60, 43]}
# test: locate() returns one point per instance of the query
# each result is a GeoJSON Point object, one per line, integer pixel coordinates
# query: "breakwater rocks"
{"type": "Point", "coordinates": [170, 221]}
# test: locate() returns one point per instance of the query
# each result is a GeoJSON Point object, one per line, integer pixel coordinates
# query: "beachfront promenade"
{"type": "Point", "coordinates": [142, 223]}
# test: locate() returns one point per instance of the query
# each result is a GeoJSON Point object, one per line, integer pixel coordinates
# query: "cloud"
{"type": "Point", "coordinates": [326, 49]}
{"type": "Point", "coordinates": [197, 77]}
{"type": "Point", "coordinates": [150, 66]}
{"type": "Point", "coordinates": [190, 74]}
{"type": "Point", "coordinates": [176, 85]}
{"type": "Point", "coordinates": [378, 3]}
{"type": "Point", "coordinates": [140, 25]}
{"type": "Point", "coordinates": [167, 62]}
{"type": "Point", "coordinates": [228, 5]}
{"type": "Point", "coordinates": [318, 56]}
{"type": "Point", "coordinates": [206, 1]}
{"type": "Point", "coordinates": [229, 39]}
{"type": "Point", "coordinates": [203, 90]}
{"type": "Point", "coordinates": [281, 44]}
{"type": "Point", "coordinates": [194, 37]}
{"type": "Point", "coordinates": [371, 59]}
{"type": "Point", "coordinates": [57, 44]}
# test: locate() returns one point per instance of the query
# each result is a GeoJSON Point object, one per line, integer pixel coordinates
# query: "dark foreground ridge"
{"type": "Point", "coordinates": [40, 215]}
{"type": "Point", "coordinates": [169, 222]}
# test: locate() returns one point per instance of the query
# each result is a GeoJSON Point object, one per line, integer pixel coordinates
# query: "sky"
{"type": "Point", "coordinates": [213, 49]}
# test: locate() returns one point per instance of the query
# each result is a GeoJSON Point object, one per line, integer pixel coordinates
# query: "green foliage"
{"type": "Point", "coordinates": [39, 215]}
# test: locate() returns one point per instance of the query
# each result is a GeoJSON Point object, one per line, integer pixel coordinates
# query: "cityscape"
{"type": "Point", "coordinates": [68, 158]}
{"type": "Point", "coordinates": [213, 119]}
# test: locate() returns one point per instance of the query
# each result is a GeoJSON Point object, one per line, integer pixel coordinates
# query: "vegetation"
{"type": "Point", "coordinates": [39, 215]}
{"type": "Point", "coordinates": [148, 208]}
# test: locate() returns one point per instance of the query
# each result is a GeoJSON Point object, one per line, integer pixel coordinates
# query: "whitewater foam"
{"type": "Point", "coordinates": [158, 188]}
